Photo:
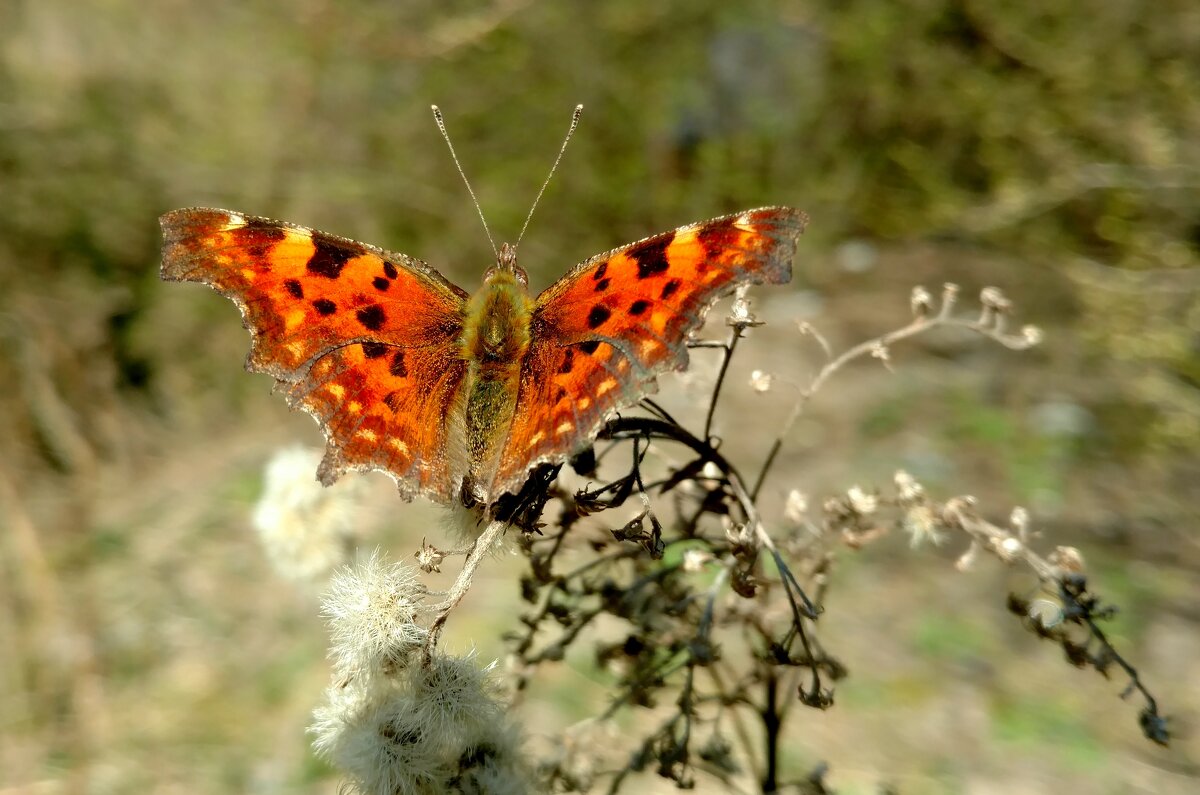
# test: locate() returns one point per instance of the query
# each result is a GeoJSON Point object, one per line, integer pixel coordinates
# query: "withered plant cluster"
{"type": "Point", "coordinates": [696, 606]}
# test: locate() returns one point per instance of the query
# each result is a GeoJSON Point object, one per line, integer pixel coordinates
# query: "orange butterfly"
{"type": "Point", "coordinates": [458, 396]}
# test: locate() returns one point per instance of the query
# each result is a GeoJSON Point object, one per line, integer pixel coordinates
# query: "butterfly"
{"type": "Point", "coordinates": [458, 396]}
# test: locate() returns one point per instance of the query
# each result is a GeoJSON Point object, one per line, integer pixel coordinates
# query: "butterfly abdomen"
{"type": "Point", "coordinates": [494, 341]}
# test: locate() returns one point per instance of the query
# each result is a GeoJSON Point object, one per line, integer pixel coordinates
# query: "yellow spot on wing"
{"type": "Point", "coordinates": [649, 345]}
{"type": "Point", "coordinates": [397, 445]}
{"type": "Point", "coordinates": [354, 407]}
{"type": "Point", "coordinates": [561, 429]}
{"type": "Point", "coordinates": [685, 248]}
{"type": "Point", "coordinates": [294, 250]}
{"type": "Point", "coordinates": [294, 318]}
{"type": "Point", "coordinates": [337, 390]}
{"type": "Point", "coordinates": [685, 236]}
{"type": "Point", "coordinates": [583, 402]}
{"type": "Point", "coordinates": [605, 386]}
{"type": "Point", "coordinates": [537, 437]}
{"type": "Point", "coordinates": [234, 221]}
{"type": "Point", "coordinates": [368, 434]}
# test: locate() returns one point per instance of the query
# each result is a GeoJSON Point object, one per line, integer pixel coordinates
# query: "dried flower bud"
{"type": "Point", "coordinates": [429, 558]}
{"type": "Point", "coordinates": [921, 302]}
{"type": "Point", "coordinates": [1068, 559]}
{"type": "Point", "coordinates": [795, 508]}
{"type": "Point", "coordinates": [921, 524]}
{"type": "Point", "coordinates": [1019, 521]}
{"type": "Point", "coordinates": [862, 503]}
{"type": "Point", "coordinates": [967, 560]}
{"type": "Point", "coordinates": [741, 535]}
{"type": "Point", "coordinates": [908, 488]}
{"type": "Point", "coordinates": [1009, 548]}
{"type": "Point", "coordinates": [1047, 613]}
{"type": "Point", "coordinates": [994, 298]}
{"type": "Point", "coordinates": [743, 582]}
{"type": "Point", "coordinates": [695, 559]}
{"type": "Point", "coordinates": [760, 382]}
{"type": "Point", "coordinates": [1032, 335]}
{"type": "Point", "coordinates": [740, 315]}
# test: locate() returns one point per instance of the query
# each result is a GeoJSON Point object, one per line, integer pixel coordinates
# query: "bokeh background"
{"type": "Point", "coordinates": [1052, 150]}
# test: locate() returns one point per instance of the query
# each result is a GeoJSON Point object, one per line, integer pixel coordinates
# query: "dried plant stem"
{"type": "Point", "coordinates": [462, 583]}
{"type": "Point", "coordinates": [919, 325]}
{"type": "Point", "coordinates": [959, 512]}
{"type": "Point", "coordinates": [734, 335]}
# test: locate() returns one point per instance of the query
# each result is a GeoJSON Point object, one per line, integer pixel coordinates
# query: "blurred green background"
{"type": "Point", "coordinates": [1050, 149]}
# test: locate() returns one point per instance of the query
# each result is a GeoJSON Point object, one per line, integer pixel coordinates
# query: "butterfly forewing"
{"type": "Point", "coordinates": [362, 339]}
{"type": "Point", "coordinates": [603, 332]}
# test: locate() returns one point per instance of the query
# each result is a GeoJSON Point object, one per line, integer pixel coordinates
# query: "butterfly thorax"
{"type": "Point", "coordinates": [494, 340]}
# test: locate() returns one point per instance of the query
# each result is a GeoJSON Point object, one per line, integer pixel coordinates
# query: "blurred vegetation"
{"type": "Point", "coordinates": [1054, 148]}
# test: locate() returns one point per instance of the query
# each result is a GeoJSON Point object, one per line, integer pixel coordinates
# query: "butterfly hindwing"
{"type": "Point", "coordinates": [362, 339]}
{"type": "Point", "coordinates": [601, 334]}
{"type": "Point", "coordinates": [385, 407]}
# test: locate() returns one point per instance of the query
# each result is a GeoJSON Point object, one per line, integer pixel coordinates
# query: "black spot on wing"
{"type": "Point", "coordinates": [638, 307]}
{"type": "Point", "coordinates": [599, 274]}
{"type": "Point", "coordinates": [718, 240]}
{"type": "Point", "coordinates": [651, 256]}
{"type": "Point", "coordinates": [590, 346]}
{"type": "Point", "coordinates": [392, 400]}
{"type": "Point", "coordinates": [602, 285]}
{"type": "Point", "coordinates": [597, 316]}
{"type": "Point", "coordinates": [257, 236]}
{"type": "Point", "coordinates": [328, 258]}
{"type": "Point", "coordinates": [324, 306]}
{"type": "Point", "coordinates": [568, 361]}
{"type": "Point", "coordinates": [397, 367]}
{"type": "Point", "coordinates": [294, 288]}
{"type": "Point", "coordinates": [373, 350]}
{"type": "Point", "coordinates": [389, 270]}
{"type": "Point", "coordinates": [381, 284]}
{"type": "Point", "coordinates": [262, 229]}
{"type": "Point", "coordinates": [371, 317]}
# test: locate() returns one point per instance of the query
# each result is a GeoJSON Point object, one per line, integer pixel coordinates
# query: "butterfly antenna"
{"type": "Point", "coordinates": [437, 116]}
{"type": "Point", "coordinates": [574, 123]}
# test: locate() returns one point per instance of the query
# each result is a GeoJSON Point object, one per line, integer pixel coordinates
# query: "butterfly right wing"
{"type": "Point", "coordinates": [364, 340]}
{"type": "Point", "coordinates": [602, 333]}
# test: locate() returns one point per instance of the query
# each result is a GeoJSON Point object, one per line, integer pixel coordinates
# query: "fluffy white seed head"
{"type": "Point", "coordinates": [372, 610]}
{"type": "Point", "coordinates": [423, 730]}
{"type": "Point", "coordinates": [306, 529]}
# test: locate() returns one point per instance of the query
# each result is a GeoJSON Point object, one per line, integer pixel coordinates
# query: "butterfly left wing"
{"type": "Point", "coordinates": [362, 339]}
{"type": "Point", "coordinates": [601, 334]}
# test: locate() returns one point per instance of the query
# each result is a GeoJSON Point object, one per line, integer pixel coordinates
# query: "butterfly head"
{"type": "Point", "coordinates": [506, 268]}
